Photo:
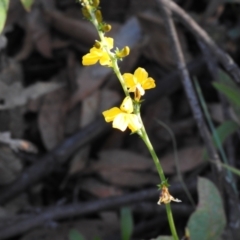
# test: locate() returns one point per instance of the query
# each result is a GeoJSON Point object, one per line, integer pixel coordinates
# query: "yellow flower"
{"type": "Point", "coordinates": [99, 54]}
{"type": "Point", "coordinates": [138, 82]}
{"type": "Point", "coordinates": [123, 117]}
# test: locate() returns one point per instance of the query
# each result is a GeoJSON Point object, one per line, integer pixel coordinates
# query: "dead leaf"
{"type": "Point", "coordinates": [189, 158]}
{"type": "Point", "coordinates": [40, 32]}
{"type": "Point", "coordinates": [88, 228]}
{"type": "Point", "coordinates": [108, 99]}
{"type": "Point", "coordinates": [89, 111]}
{"type": "Point", "coordinates": [17, 144]}
{"type": "Point", "coordinates": [158, 47]}
{"type": "Point", "coordinates": [121, 160]}
{"type": "Point", "coordinates": [15, 95]}
{"type": "Point", "coordinates": [129, 179]}
{"type": "Point", "coordinates": [51, 118]}
{"type": "Point", "coordinates": [99, 189]}
{"type": "Point", "coordinates": [88, 80]}
{"type": "Point", "coordinates": [10, 166]}
{"type": "Point", "coordinates": [72, 27]}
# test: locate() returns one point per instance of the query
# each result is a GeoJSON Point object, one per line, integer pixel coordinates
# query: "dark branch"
{"type": "Point", "coordinates": [13, 228]}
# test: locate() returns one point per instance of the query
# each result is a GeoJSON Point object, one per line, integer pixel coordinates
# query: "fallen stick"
{"type": "Point", "coordinates": [227, 62]}
{"type": "Point", "coordinates": [15, 228]}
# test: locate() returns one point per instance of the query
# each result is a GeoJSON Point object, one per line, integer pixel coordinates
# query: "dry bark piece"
{"type": "Point", "coordinates": [10, 166]}
{"type": "Point", "coordinates": [189, 158]}
{"type": "Point", "coordinates": [51, 118]}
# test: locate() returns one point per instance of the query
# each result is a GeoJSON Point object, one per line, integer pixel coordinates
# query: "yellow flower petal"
{"type": "Point", "coordinates": [92, 57]}
{"type": "Point", "coordinates": [127, 105]}
{"type": "Point", "coordinates": [109, 42]}
{"type": "Point", "coordinates": [130, 81]}
{"type": "Point", "coordinates": [148, 83]}
{"type": "Point", "coordinates": [105, 60]}
{"type": "Point", "coordinates": [110, 114]}
{"type": "Point", "coordinates": [133, 122]}
{"type": "Point", "coordinates": [141, 75]}
{"type": "Point", "coordinates": [121, 121]}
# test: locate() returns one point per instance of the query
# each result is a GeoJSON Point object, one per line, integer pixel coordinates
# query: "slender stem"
{"type": "Point", "coordinates": [144, 136]}
{"type": "Point", "coordinates": [111, 55]}
{"type": "Point", "coordinates": [142, 132]}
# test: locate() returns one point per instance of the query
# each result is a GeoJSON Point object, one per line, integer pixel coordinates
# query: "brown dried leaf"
{"type": "Point", "coordinates": [108, 99]}
{"type": "Point", "coordinates": [15, 95]}
{"type": "Point", "coordinates": [99, 189]}
{"type": "Point", "coordinates": [121, 160]}
{"type": "Point", "coordinates": [189, 158]}
{"type": "Point", "coordinates": [80, 30]}
{"type": "Point", "coordinates": [129, 179]}
{"type": "Point", "coordinates": [88, 228]}
{"type": "Point", "coordinates": [51, 117]}
{"type": "Point", "coordinates": [158, 47]}
{"type": "Point", "coordinates": [40, 32]}
{"type": "Point", "coordinates": [17, 144]}
{"type": "Point", "coordinates": [88, 80]}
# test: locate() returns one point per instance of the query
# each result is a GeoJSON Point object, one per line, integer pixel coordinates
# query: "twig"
{"type": "Point", "coordinates": [222, 57]}
{"type": "Point", "coordinates": [186, 81]}
{"type": "Point", "coordinates": [46, 165]}
{"type": "Point", "coordinates": [79, 209]}
{"type": "Point", "coordinates": [180, 62]}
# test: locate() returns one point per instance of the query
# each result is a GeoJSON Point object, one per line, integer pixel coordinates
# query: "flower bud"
{"type": "Point", "coordinates": [106, 27]}
{"type": "Point", "coordinates": [98, 15]}
{"type": "Point", "coordinates": [85, 13]}
{"type": "Point", "coordinates": [97, 45]}
{"type": "Point", "coordinates": [95, 3]}
{"type": "Point", "coordinates": [123, 53]}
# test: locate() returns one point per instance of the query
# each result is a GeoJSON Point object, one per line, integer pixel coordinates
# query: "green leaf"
{"type": "Point", "coordinates": [163, 238]}
{"type": "Point", "coordinates": [27, 4]}
{"type": "Point", "coordinates": [226, 80]}
{"type": "Point", "coordinates": [225, 130]}
{"type": "Point", "coordinates": [230, 168]}
{"type": "Point", "coordinates": [233, 94]}
{"type": "Point", "coordinates": [126, 223]}
{"type": "Point", "coordinates": [75, 235]}
{"type": "Point", "coordinates": [208, 221]}
{"type": "Point", "coordinates": [96, 238]}
{"type": "Point", "coordinates": [3, 13]}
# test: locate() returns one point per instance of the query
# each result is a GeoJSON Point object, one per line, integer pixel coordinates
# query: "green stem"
{"type": "Point", "coordinates": [144, 136]}
{"type": "Point", "coordinates": [142, 132]}
{"type": "Point", "coordinates": [111, 55]}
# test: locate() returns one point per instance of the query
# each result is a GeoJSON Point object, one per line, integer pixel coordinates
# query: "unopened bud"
{"type": "Point", "coordinates": [85, 13]}
{"type": "Point", "coordinates": [97, 45]}
{"type": "Point", "coordinates": [98, 15]}
{"type": "Point", "coordinates": [106, 28]}
{"type": "Point", "coordinates": [123, 53]}
{"type": "Point", "coordinates": [95, 3]}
